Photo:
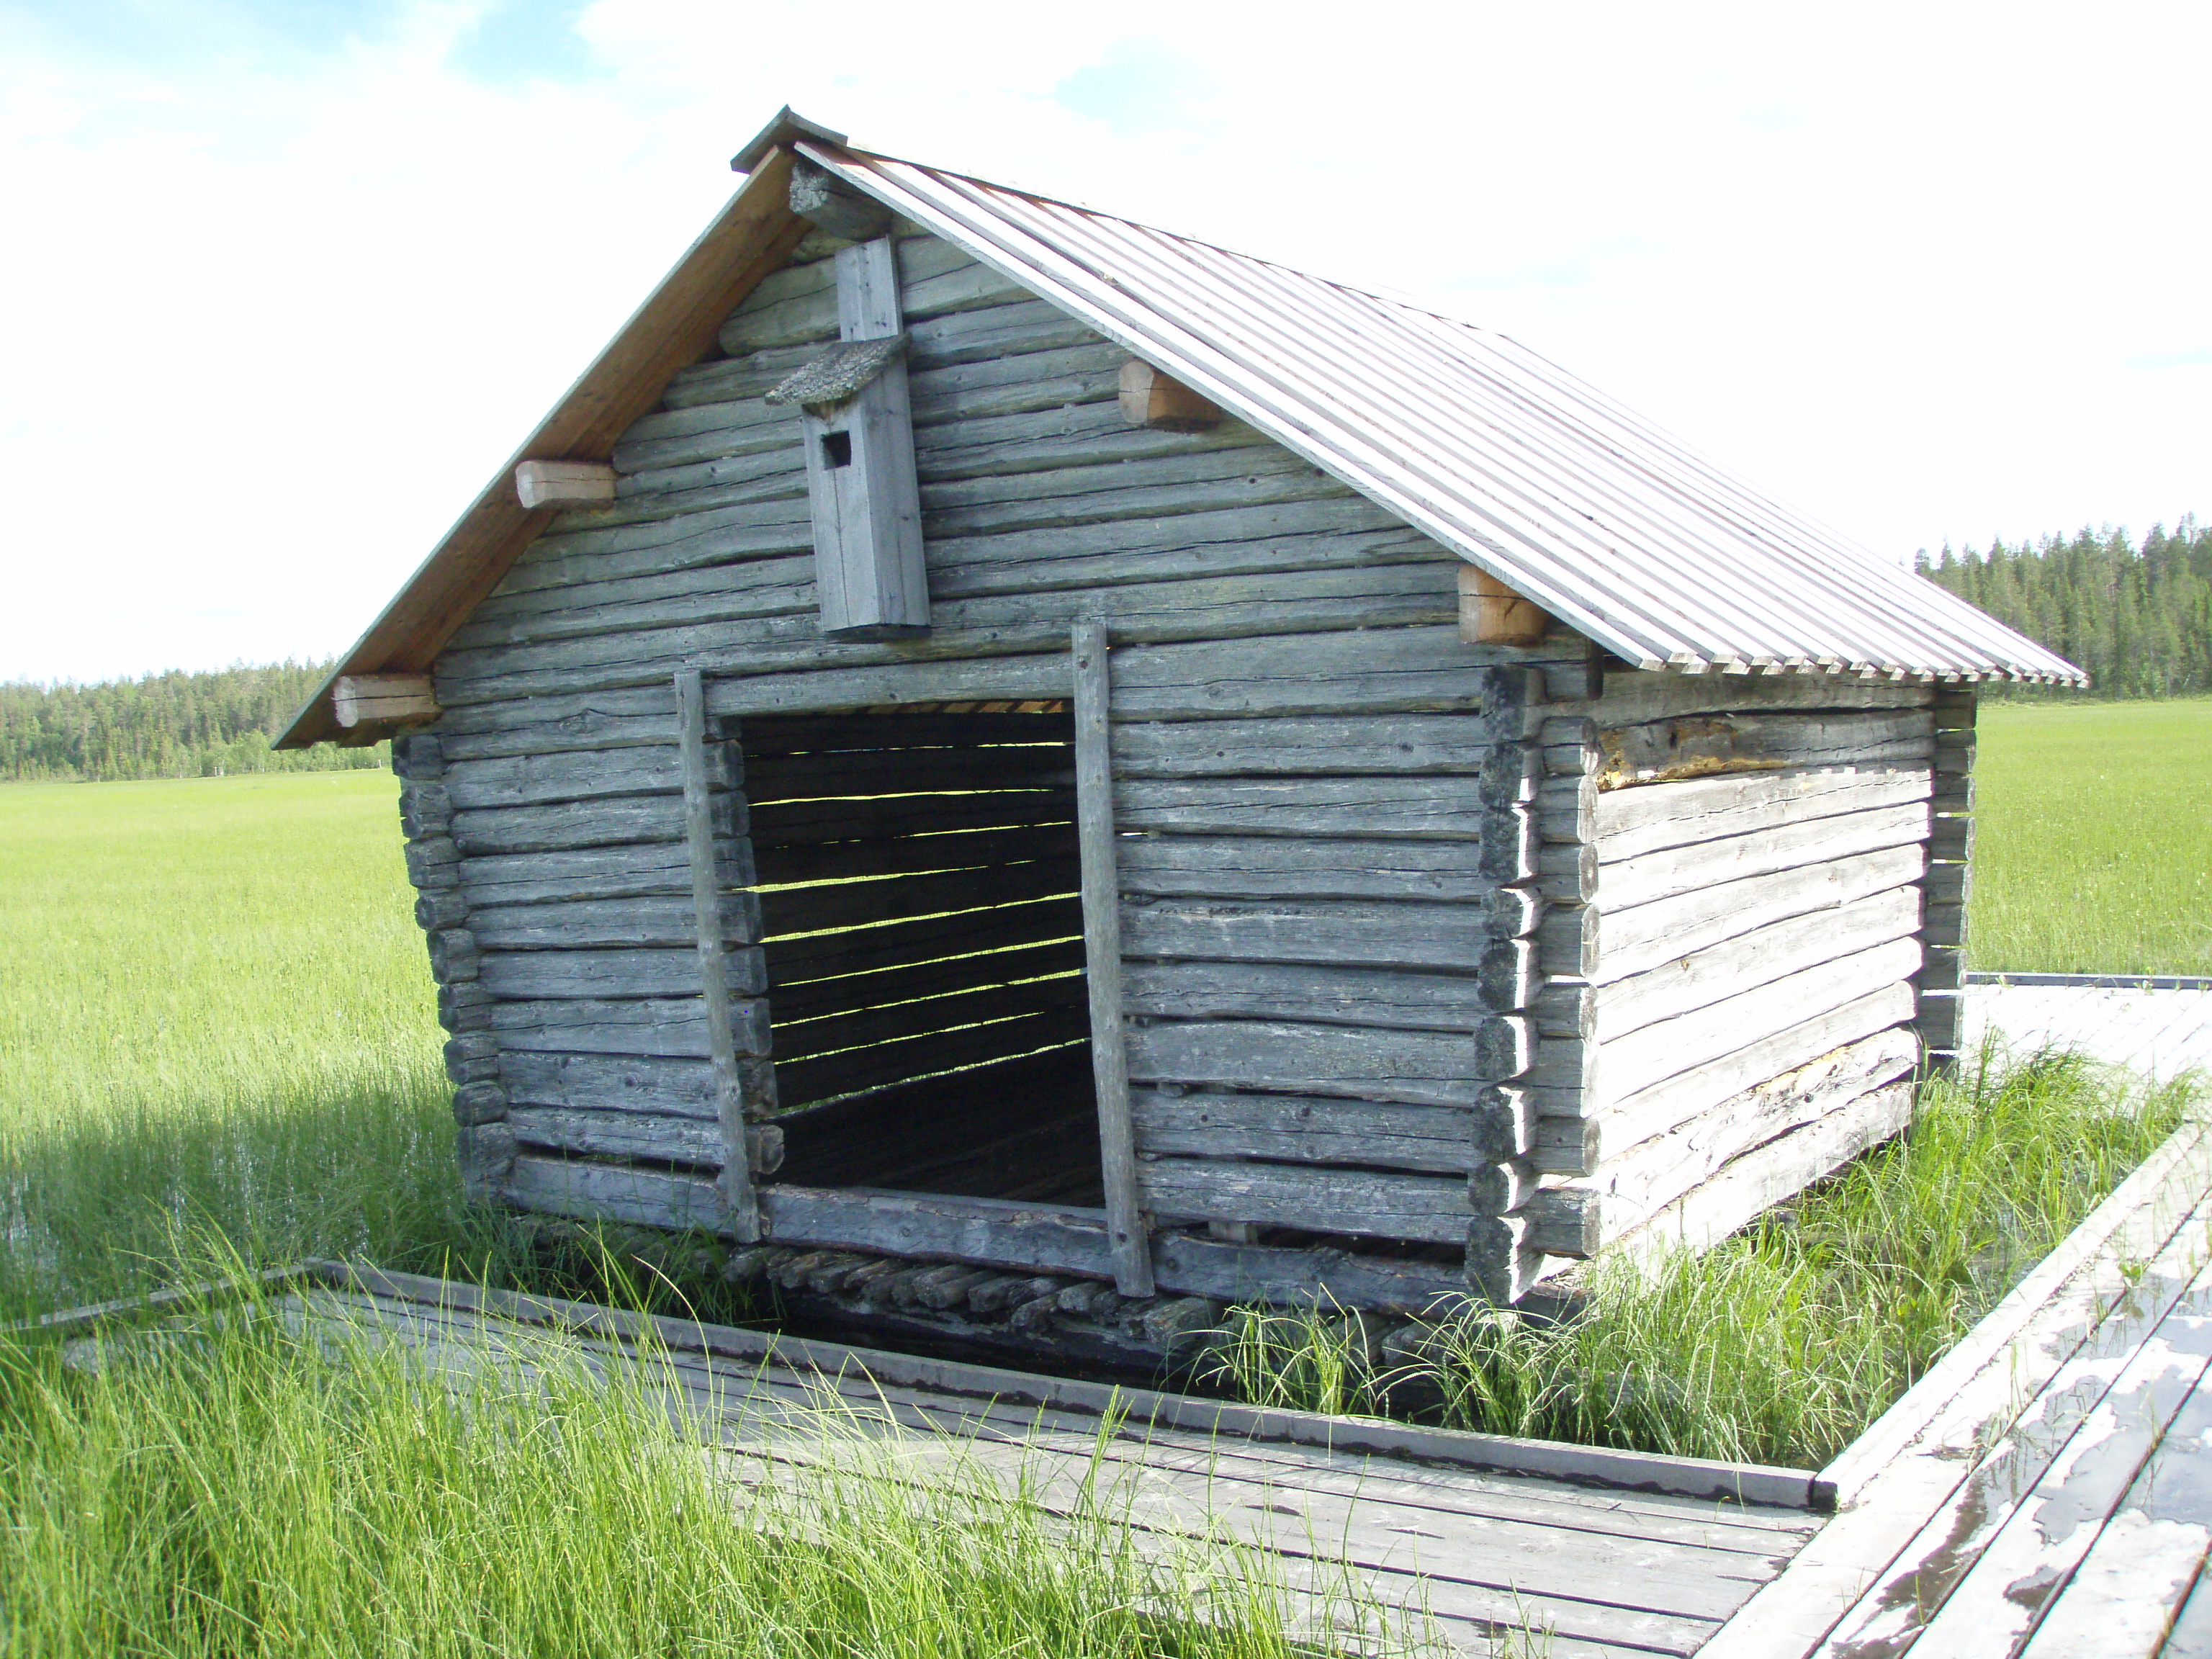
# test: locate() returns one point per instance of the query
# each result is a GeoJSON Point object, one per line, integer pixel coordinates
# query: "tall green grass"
{"type": "Point", "coordinates": [241, 1491]}
{"type": "Point", "coordinates": [2093, 842]}
{"type": "Point", "coordinates": [1781, 1344]}
{"type": "Point", "coordinates": [217, 1012]}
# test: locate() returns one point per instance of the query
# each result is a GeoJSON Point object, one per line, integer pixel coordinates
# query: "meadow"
{"type": "Point", "coordinates": [2094, 838]}
{"type": "Point", "coordinates": [217, 1045]}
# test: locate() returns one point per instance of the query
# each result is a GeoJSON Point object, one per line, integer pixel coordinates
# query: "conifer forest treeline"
{"type": "Point", "coordinates": [175, 725]}
{"type": "Point", "coordinates": [2139, 619]}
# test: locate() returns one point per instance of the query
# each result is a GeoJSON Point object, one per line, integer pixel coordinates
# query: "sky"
{"type": "Point", "coordinates": [284, 282]}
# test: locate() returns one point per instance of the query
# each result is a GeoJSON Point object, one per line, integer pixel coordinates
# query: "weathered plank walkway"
{"type": "Point", "coordinates": [1613, 1553]}
{"type": "Point", "coordinates": [2155, 1032]}
{"type": "Point", "coordinates": [2046, 1489]}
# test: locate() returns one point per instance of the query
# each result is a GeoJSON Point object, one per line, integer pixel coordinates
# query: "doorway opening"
{"type": "Point", "coordinates": [922, 911]}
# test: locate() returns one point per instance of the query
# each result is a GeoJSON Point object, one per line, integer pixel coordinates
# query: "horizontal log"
{"type": "Point", "coordinates": [1508, 976]}
{"type": "Point", "coordinates": [1569, 944]}
{"type": "Point", "coordinates": [1633, 822]}
{"type": "Point", "coordinates": [965, 849]}
{"type": "Point", "coordinates": [1760, 1179]}
{"type": "Point", "coordinates": [1667, 1105]}
{"type": "Point", "coordinates": [1311, 1129]}
{"type": "Point", "coordinates": [434, 863]}
{"type": "Point", "coordinates": [1952, 792]}
{"type": "Point", "coordinates": [358, 700]}
{"type": "Point", "coordinates": [1014, 677]}
{"type": "Point", "coordinates": [1948, 884]}
{"type": "Point", "coordinates": [854, 1070]}
{"type": "Point", "coordinates": [1631, 696]}
{"type": "Point", "coordinates": [1275, 536]}
{"type": "Point", "coordinates": [560, 976]}
{"type": "Point", "coordinates": [418, 755]}
{"type": "Point", "coordinates": [1759, 958]}
{"type": "Point", "coordinates": [805, 823]}
{"type": "Point", "coordinates": [1566, 809]}
{"type": "Point", "coordinates": [675, 1029]}
{"type": "Point", "coordinates": [1384, 671]}
{"type": "Point", "coordinates": [1565, 1008]}
{"type": "Point", "coordinates": [1944, 925]}
{"type": "Point", "coordinates": [1318, 746]}
{"type": "Point", "coordinates": [1632, 940]}
{"type": "Point", "coordinates": [1939, 1018]}
{"type": "Point", "coordinates": [1421, 1068]}
{"type": "Point", "coordinates": [1511, 848]}
{"type": "Point", "coordinates": [1627, 1065]}
{"type": "Point", "coordinates": [862, 1028]}
{"type": "Point", "coordinates": [1324, 994]}
{"type": "Point", "coordinates": [1629, 882]}
{"type": "Point", "coordinates": [651, 922]}
{"type": "Point", "coordinates": [1333, 933]}
{"type": "Point", "coordinates": [535, 780]}
{"type": "Point", "coordinates": [909, 771]}
{"type": "Point", "coordinates": [638, 869]}
{"type": "Point", "coordinates": [1203, 482]}
{"type": "Point", "coordinates": [1257, 866]}
{"type": "Point", "coordinates": [860, 903]}
{"type": "Point", "coordinates": [871, 733]}
{"type": "Point", "coordinates": [1672, 749]}
{"type": "Point", "coordinates": [618, 820]}
{"type": "Point", "coordinates": [1375, 808]}
{"type": "Point", "coordinates": [692, 1140]}
{"type": "Point", "coordinates": [904, 944]}
{"type": "Point", "coordinates": [1038, 1238]}
{"type": "Point", "coordinates": [1356, 1202]}
{"type": "Point", "coordinates": [851, 993]}
{"type": "Point", "coordinates": [1943, 970]}
{"type": "Point", "coordinates": [1567, 871]}
{"type": "Point", "coordinates": [1281, 1278]}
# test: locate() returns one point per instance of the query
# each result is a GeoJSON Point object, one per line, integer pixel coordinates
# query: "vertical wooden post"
{"type": "Point", "coordinates": [1102, 959]}
{"type": "Point", "coordinates": [737, 1180]}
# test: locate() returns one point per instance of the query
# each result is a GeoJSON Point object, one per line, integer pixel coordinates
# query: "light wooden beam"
{"type": "Point", "coordinates": [1151, 399]}
{"type": "Point", "coordinates": [564, 483]}
{"type": "Point", "coordinates": [384, 700]}
{"type": "Point", "coordinates": [833, 206]}
{"type": "Point", "coordinates": [1491, 613]}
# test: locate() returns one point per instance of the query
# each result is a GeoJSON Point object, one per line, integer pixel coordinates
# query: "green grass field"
{"type": "Point", "coordinates": [2094, 838]}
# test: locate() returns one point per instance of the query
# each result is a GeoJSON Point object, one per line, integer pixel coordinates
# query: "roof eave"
{"type": "Point", "coordinates": [753, 235]}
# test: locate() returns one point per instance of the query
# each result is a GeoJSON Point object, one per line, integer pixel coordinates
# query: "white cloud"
{"type": "Point", "coordinates": [280, 300]}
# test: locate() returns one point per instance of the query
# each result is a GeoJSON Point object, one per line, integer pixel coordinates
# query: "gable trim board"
{"type": "Point", "coordinates": [1522, 471]}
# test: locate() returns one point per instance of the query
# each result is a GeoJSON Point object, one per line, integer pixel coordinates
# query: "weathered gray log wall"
{"type": "Point", "coordinates": [1744, 1016]}
{"type": "Point", "coordinates": [1436, 968]}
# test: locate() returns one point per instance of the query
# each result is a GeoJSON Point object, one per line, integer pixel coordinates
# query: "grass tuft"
{"type": "Point", "coordinates": [1780, 1345]}
{"type": "Point", "coordinates": [238, 1489]}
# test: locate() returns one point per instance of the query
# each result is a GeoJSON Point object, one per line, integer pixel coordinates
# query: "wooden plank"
{"type": "Point", "coordinates": [555, 976]}
{"type": "Point", "coordinates": [637, 870]}
{"type": "Point", "coordinates": [736, 1182]}
{"type": "Point", "coordinates": [1641, 937]}
{"type": "Point", "coordinates": [1626, 1065]}
{"type": "Point", "coordinates": [1102, 947]}
{"type": "Point", "coordinates": [1358, 1203]}
{"type": "Point", "coordinates": [909, 771]}
{"type": "Point", "coordinates": [1314, 1129]}
{"type": "Point", "coordinates": [813, 998]}
{"type": "Point", "coordinates": [856, 902]}
{"type": "Point", "coordinates": [903, 944]}
{"type": "Point", "coordinates": [1016, 676]}
{"type": "Point", "coordinates": [1384, 671]}
{"type": "Point", "coordinates": [1632, 695]}
{"type": "Point", "coordinates": [1627, 882]}
{"type": "Point", "coordinates": [1322, 932]}
{"type": "Point", "coordinates": [853, 1071]}
{"type": "Point", "coordinates": [1304, 992]}
{"type": "Point", "coordinates": [1669, 750]}
{"type": "Point", "coordinates": [383, 700]}
{"type": "Point", "coordinates": [1633, 821]}
{"type": "Point", "coordinates": [1312, 747]}
{"type": "Point", "coordinates": [874, 732]}
{"type": "Point", "coordinates": [1375, 808]}
{"type": "Point", "coordinates": [927, 1227]}
{"type": "Point", "coordinates": [1759, 1180]}
{"type": "Point", "coordinates": [1422, 1068]}
{"type": "Point", "coordinates": [617, 821]}
{"type": "Point", "coordinates": [647, 920]}
{"type": "Point", "coordinates": [1702, 978]}
{"type": "Point", "coordinates": [1274, 867]}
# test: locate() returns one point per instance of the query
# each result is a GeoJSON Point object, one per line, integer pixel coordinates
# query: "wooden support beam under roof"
{"type": "Point", "coordinates": [384, 700]}
{"type": "Point", "coordinates": [564, 483]}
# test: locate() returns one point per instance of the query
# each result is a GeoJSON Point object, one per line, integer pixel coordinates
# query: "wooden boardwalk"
{"type": "Point", "coordinates": [2158, 1033]}
{"type": "Point", "coordinates": [1613, 1553]}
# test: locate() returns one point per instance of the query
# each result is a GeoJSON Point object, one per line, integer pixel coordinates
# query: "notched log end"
{"type": "Point", "coordinates": [1491, 613]}
{"type": "Point", "coordinates": [1157, 402]}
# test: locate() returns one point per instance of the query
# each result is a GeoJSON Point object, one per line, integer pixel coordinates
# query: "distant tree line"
{"type": "Point", "coordinates": [175, 725]}
{"type": "Point", "coordinates": [2139, 619]}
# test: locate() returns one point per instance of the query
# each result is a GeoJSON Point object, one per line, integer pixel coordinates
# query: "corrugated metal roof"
{"type": "Point", "coordinates": [1612, 525]}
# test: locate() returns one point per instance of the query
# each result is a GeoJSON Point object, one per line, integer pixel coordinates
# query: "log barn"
{"type": "Point", "coordinates": [992, 752]}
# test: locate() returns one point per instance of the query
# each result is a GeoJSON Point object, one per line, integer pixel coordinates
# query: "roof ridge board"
{"type": "Point", "coordinates": [1207, 292]}
{"type": "Point", "coordinates": [1423, 513]}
